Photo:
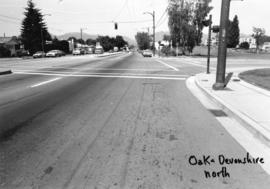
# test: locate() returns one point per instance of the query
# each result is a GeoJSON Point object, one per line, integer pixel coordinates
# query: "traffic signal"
{"type": "Point", "coordinates": [116, 26]}
{"type": "Point", "coordinates": [215, 29]}
{"type": "Point", "coordinates": [206, 23]}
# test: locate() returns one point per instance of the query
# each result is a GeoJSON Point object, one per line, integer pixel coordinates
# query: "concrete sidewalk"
{"type": "Point", "coordinates": [246, 103]}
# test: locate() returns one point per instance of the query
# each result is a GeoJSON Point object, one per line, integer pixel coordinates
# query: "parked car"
{"type": "Point", "coordinates": [76, 52]}
{"type": "Point", "coordinates": [99, 50]}
{"type": "Point", "coordinates": [55, 53]}
{"type": "Point", "coordinates": [39, 54]}
{"type": "Point", "coordinates": [62, 53]}
{"type": "Point", "coordinates": [147, 53]}
{"type": "Point", "coordinates": [90, 50]}
{"type": "Point", "coordinates": [22, 52]}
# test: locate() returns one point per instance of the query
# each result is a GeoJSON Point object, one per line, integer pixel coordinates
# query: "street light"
{"type": "Point", "coordinates": [41, 32]}
{"type": "Point", "coordinates": [154, 28]}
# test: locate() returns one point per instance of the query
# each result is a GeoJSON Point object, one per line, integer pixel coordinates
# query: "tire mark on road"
{"type": "Point", "coordinates": [67, 183]}
{"type": "Point", "coordinates": [131, 143]}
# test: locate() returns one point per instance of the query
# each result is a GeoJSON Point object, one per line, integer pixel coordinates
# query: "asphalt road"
{"type": "Point", "coordinates": [114, 122]}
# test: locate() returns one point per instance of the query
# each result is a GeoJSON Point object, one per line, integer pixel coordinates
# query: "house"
{"type": "Point", "coordinates": [249, 39]}
{"type": "Point", "coordinates": [12, 44]}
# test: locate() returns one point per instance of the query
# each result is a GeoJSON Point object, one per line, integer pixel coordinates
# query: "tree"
{"type": "Point", "coordinates": [143, 40]}
{"type": "Point", "coordinates": [244, 45]}
{"type": "Point", "coordinates": [4, 52]}
{"type": "Point", "coordinates": [181, 25]}
{"type": "Point", "coordinates": [166, 37]}
{"type": "Point", "coordinates": [58, 44]}
{"type": "Point", "coordinates": [81, 41]}
{"type": "Point", "coordinates": [120, 42]}
{"type": "Point", "coordinates": [258, 33]}
{"type": "Point", "coordinates": [264, 39]}
{"type": "Point", "coordinates": [201, 11]}
{"type": "Point", "coordinates": [73, 38]}
{"type": "Point", "coordinates": [233, 33]}
{"type": "Point", "coordinates": [91, 41]}
{"type": "Point", "coordinates": [105, 42]}
{"type": "Point", "coordinates": [34, 31]}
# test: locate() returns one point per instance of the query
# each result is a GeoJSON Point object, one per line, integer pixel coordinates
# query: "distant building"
{"type": "Point", "coordinates": [249, 39]}
{"type": "Point", "coordinates": [12, 44]}
{"type": "Point", "coordinates": [214, 39]}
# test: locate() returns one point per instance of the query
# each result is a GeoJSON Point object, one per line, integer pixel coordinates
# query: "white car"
{"type": "Point", "coordinates": [147, 53]}
{"type": "Point", "coordinates": [54, 53]}
{"type": "Point", "coordinates": [76, 52]}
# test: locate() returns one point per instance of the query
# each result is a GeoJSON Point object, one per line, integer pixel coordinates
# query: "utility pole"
{"type": "Point", "coordinates": [209, 44]}
{"type": "Point", "coordinates": [154, 33]}
{"type": "Point", "coordinates": [42, 41]}
{"type": "Point", "coordinates": [154, 29]}
{"type": "Point", "coordinates": [41, 34]}
{"type": "Point", "coordinates": [81, 31]}
{"type": "Point", "coordinates": [222, 47]}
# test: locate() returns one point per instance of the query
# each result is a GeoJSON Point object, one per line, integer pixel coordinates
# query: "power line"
{"type": "Point", "coordinates": [134, 21]}
{"type": "Point", "coordinates": [158, 22]}
{"type": "Point", "coordinates": [119, 13]}
{"type": "Point", "coordinates": [161, 22]}
{"type": "Point", "coordinates": [10, 21]}
{"type": "Point", "coordinates": [9, 17]}
{"type": "Point", "coordinates": [104, 22]}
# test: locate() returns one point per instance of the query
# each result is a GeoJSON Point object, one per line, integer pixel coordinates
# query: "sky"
{"type": "Point", "coordinates": [97, 17]}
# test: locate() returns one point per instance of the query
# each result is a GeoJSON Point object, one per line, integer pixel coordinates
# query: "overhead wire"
{"type": "Point", "coordinates": [120, 12]}
{"type": "Point", "coordinates": [9, 17]}
{"type": "Point", "coordinates": [160, 21]}
{"type": "Point", "coordinates": [9, 21]}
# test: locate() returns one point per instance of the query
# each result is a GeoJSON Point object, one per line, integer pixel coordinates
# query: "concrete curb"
{"type": "Point", "coordinates": [256, 129]}
{"type": "Point", "coordinates": [5, 72]}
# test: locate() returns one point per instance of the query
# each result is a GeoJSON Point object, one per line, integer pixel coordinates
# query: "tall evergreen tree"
{"type": "Point", "coordinates": [233, 33]}
{"type": "Point", "coordinates": [34, 31]}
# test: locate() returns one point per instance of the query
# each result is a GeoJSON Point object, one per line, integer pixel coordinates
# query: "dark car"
{"type": "Point", "coordinates": [22, 53]}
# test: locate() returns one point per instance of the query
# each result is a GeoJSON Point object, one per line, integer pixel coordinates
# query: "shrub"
{"type": "Point", "coordinates": [4, 52]}
{"type": "Point", "coordinates": [244, 45]}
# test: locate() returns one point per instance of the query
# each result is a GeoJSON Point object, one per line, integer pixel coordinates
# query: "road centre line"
{"type": "Point", "coordinates": [102, 76]}
{"type": "Point", "coordinates": [46, 82]}
{"type": "Point", "coordinates": [175, 69]}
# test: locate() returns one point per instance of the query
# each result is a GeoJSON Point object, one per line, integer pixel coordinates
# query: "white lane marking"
{"type": "Point", "coordinates": [174, 68]}
{"type": "Point", "coordinates": [246, 139]}
{"type": "Point", "coordinates": [87, 69]}
{"type": "Point", "coordinates": [45, 82]}
{"type": "Point", "coordinates": [100, 73]}
{"type": "Point", "coordinates": [105, 76]}
{"type": "Point", "coordinates": [196, 64]}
